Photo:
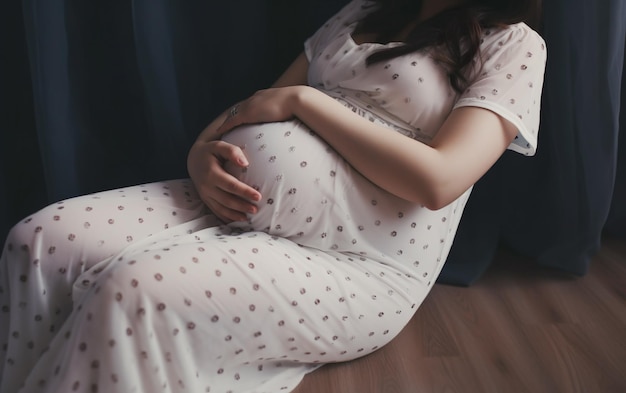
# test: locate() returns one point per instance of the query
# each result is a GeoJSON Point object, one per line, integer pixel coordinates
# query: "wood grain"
{"type": "Point", "coordinates": [519, 329]}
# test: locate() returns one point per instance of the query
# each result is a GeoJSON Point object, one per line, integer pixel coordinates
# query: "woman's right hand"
{"type": "Point", "coordinates": [227, 197]}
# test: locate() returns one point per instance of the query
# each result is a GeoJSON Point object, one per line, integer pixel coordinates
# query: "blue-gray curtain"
{"type": "Point", "coordinates": [556, 206]}
{"type": "Point", "coordinates": [101, 94]}
{"type": "Point", "coordinates": [105, 93]}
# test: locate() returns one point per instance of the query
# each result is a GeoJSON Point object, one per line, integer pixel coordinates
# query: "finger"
{"type": "Point", "coordinates": [229, 201]}
{"type": "Point", "coordinates": [229, 193]}
{"type": "Point", "coordinates": [225, 214]}
{"type": "Point", "coordinates": [226, 206]}
{"type": "Point", "coordinates": [229, 183]}
{"type": "Point", "coordinates": [233, 153]}
{"type": "Point", "coordinates": [233, 187]}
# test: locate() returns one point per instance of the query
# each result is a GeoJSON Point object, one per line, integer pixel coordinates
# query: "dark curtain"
{"type": "Point", "coordinates": [556, 206]}
{"type": "Point", "coordinates": [102, 94]}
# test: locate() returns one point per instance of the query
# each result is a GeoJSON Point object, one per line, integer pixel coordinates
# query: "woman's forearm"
{"type": "Point", "coordinates": [466, 146]}
{"type": "Point", "coordinates": [468, 143]}
{"type": "Point", "coordinates": [392, 161]}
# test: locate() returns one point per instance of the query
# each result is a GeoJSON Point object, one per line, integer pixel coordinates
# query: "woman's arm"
{"type": "Point", "coordinates": [467, 145]}
{"type": "Point", "coordinates": [226, 196]}
{"type": "Point", "coordinates": [295, 74]}
{"type": "Point", "coordinates": [470, 141]}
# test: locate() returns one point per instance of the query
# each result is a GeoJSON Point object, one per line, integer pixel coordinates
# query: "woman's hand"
{"type": "Point", "coordinates": [265, 106]}
{"type": "Point", "coordinates": [228, 198]}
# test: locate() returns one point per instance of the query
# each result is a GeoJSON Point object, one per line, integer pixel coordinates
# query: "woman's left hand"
{"type": "Point", "coordinates": [264, 106]}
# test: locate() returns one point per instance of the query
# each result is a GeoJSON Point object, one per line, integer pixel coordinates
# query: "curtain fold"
{"type": "Point", "coordinates": [45, 26]}
{"type": "Point", "coordinates": [22, 183]}
{"type": "Point", "coordinates": [102, 94]}
{"type": "Point", "coordinates": [616, 224]}
{"type": "Point", "coordinates": [154, 50]}
{"type": "Point", "coordinates": [554, 206]}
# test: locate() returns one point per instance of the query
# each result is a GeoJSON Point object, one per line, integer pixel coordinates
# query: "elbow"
{"type": "Point", "coordinates": [435, 185]}
{"type": "Point", "coordinates": [436, 202]}
{"type": "Point", "coordinates": [439, 194]}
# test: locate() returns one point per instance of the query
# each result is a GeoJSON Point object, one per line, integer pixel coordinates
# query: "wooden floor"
{"type": "Point", "coordinates": [518, 329]}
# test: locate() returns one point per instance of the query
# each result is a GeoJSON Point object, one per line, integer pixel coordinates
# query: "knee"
{"type": "Point", "coordinates": [37, 230]}
{"type": "Point", "coordinates": [41, 244]}
{"type": "Point", "coordinates": [20, 242]}
{"type": "Point", "coordinates": [16, 239]}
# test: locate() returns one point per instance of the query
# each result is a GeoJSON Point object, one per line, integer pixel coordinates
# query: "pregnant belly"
{"type": "Point", "coordinates": [312, 196]}
{"type": "Point", "coordinates": [294, 170]}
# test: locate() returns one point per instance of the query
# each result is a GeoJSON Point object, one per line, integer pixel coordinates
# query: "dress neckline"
{"type": "Point", "coordinates": [350, 31]}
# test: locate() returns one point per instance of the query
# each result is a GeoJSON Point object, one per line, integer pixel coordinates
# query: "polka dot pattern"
{"type": "Point", "coordinates": [266, 301]}
{"type": "Point", "coordinates": [143, 289]}
{"type": "Point", "coordinates": [413, 92]}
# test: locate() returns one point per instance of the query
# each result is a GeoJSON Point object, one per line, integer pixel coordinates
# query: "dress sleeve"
{"type": "Point", "coordinates": [510, 81]}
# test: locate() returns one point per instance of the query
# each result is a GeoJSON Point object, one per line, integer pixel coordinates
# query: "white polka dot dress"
{"type": "Point", "coordinates": [143, 290]}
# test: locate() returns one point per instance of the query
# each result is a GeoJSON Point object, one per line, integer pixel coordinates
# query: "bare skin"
{"type": "Point", "coordinates": [467, 145]}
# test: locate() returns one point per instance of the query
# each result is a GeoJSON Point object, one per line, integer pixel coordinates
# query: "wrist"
{"type": "Point", "coordinates": [303, 98]}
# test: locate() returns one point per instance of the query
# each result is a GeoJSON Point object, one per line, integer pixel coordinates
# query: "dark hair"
{"type": "Point", "coordinates": [457, 31]}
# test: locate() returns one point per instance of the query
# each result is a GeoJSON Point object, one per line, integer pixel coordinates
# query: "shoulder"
{"type": "Point", "coordinates": [508, 52]}
{"type": "Point", "coordinates": [511, 38]}
{"type": "Point", "coordinates": [509, 79]}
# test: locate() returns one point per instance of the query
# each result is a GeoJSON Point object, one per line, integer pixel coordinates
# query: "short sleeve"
{"type": "Point", "coordinates": [510, 81]}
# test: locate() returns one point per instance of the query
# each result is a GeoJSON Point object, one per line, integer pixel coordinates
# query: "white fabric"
{"type": "Point", "coordinates": [141, 290]}
{"type": "Point", "coordinates": [414, 92]}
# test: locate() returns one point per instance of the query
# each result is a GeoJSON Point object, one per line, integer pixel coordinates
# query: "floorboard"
{"type": "Point", "coordinates": [518, 329]}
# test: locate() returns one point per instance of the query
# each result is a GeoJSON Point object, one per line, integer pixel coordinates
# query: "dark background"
{"type": "Point", "coordinates": [103, 94]}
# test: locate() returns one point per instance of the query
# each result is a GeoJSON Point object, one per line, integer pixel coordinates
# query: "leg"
{"type": "Point", "coordinates": [45, 253]}
{"type": "Point", "coordinates": [215, 312]}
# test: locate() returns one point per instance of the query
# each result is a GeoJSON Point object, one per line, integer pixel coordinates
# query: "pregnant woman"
{"type": "Point", "coordinates": [318, 215]}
